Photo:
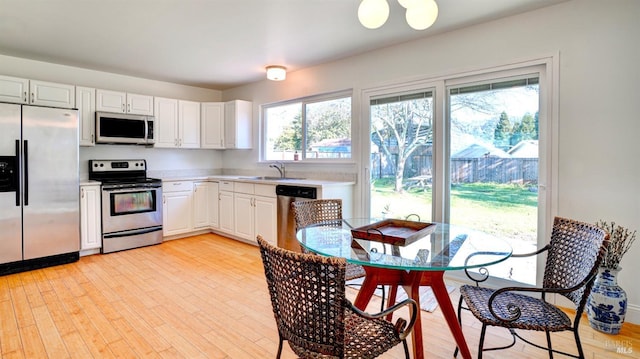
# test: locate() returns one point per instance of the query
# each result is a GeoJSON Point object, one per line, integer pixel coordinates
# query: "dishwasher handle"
{"type": "Point", "coordinates": [297, 191]}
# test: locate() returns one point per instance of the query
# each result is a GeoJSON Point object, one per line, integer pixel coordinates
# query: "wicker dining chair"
{"type": "Point", "coordinates": [313, 314]}
{"type": "Point", "coordinates": [327, 212]}
{"type": "Point", "coordinates": [573, 256]}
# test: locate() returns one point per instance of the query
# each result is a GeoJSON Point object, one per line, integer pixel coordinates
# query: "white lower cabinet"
{"type": "Point", "coordinates": [255, 211]}
{"type": "Point", "coordinates": [225, 207]}
{"type": "Point", "coordinates": [177, 207]}
{"type": "Point", "coordinates": [240, 210]}
{"type": "Point", "coordinates": [205, 205]}
{"type": "Point", "coordinates": [265, 218]}
{"type": "Point", "coordinates": [90, 218]}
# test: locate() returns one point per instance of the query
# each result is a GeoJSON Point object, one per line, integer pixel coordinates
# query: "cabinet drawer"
{"type": "Point", "coordinates": [177, 186]}
{"type": "Point", "coordinates": [267, 190]}
{"type": "Point", "coordinates": [226, 186]}
{"type": "Point", "coordinates": [242, 187]}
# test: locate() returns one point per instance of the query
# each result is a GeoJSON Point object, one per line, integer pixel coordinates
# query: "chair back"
{"type": "Point", "coordinates": [307, 213]}
{"type": "Point", "coordinates": [576, 250]}
{"type": "Point", "coordinates": [307, 295]}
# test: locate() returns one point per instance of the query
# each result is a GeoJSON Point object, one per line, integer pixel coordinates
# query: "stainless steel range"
{"type": "Point", "coordinates": [131, 204]}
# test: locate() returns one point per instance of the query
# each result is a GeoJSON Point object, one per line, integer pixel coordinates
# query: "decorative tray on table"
{"type": "Point", "coordinates": [397, 232]}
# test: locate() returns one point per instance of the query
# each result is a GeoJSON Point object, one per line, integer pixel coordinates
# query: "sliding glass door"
{"type": "Point", "coordinates": [470, 151]}
{"type": "Point", "coordinates": [494, 164]}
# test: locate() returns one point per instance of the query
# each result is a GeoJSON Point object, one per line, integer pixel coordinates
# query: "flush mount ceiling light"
{"type": "Point", "coordinates": [276, 73]}
{"type": "Point", "coordinates": [420, 13]}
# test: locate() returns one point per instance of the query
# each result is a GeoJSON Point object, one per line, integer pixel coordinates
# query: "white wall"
{"type": "Point", "coordinates": [161, 162]}
{"type": "Point", "coordinates": [599, 94]}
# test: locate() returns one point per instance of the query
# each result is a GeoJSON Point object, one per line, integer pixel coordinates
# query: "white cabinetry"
{"type": "Point", "coordinates": [212, 125]}
{"type": "Point", "coordinates": [177, 123]}
{"type": "Point", "coordinates": [238, 129]}
{"type": "Point", "coordinates": [225, 206]}
{"type": "Point", "coordinates": [205, 205]}
{"type": "Point", "coordinates": [177, 207]}
{"type": "Point", "coordinates": [86, 103]}
{"type": "Point", "coordinates": [90, 218]}
{"type": "Point", "coordinates": [188, 124]}
{"type": "Point", "coordinates": [116, 101]}
{"type": "Point", "coordinates": [33, 92]}
{"type": "Point", "coordinates": [255, 211]}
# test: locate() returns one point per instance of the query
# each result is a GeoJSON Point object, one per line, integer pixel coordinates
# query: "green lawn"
{"type": "Point", "coordinates": [505, 210]}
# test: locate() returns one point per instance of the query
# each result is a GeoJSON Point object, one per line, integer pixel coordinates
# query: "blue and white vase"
{"type": "Point", "coordinates": [607, 303]}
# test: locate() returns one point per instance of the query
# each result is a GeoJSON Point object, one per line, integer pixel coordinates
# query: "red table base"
{"type": "Point", "coordinates": [411, 282]}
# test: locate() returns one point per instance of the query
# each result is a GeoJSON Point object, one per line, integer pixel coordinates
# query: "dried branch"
{"type": "Point", "coordinates": [620, 241]}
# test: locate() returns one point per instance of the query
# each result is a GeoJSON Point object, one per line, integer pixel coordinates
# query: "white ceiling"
{"type": "Point", "coordinates": [215, 44]}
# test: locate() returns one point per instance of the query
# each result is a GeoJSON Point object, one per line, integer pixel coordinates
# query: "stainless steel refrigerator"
{"type": "Point", "coordinates": [39, 187]}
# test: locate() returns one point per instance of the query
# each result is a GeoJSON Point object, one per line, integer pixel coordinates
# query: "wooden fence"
{"type": "Point", "coordinates": [463, 170]}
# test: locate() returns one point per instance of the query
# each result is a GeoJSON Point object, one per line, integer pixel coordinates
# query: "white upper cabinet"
{"type": "Point", "coordinates": [238, 120]}
{"type": "Point", "coordinates": [116, 101]}
{"type": "Point", "coordinates": [41, 93]}
{"type": "Point", "coordinates": [212, 125]}
{"type": "Point", "coordinates": [86, 103]}
{"type": "Point", "coordinates": [177, 123]}
{"type": "Point", "coordinates": [166, 124]}
{"type": "Point", "coordinates": [188, 124]}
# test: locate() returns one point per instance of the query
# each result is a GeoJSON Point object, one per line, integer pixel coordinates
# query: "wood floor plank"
{"type": "Point", "coordinates": [9, 334]}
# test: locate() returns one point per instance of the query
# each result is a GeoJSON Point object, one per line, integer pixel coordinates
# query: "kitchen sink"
{"type": "Point", "coordinates": [270, 178]}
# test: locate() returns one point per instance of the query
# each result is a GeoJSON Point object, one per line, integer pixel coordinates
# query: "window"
{"type": "Point", "coordinates": [314, 128]}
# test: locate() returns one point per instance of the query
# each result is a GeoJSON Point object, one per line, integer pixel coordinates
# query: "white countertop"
{"type": "Point", "coordinates": [248, 179]}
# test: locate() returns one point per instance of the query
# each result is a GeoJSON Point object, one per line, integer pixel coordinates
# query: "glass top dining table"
{"type": "Point", "coordinates": [421, 261]}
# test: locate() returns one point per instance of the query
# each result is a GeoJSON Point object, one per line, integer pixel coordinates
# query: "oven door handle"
{"type": "Point", "coordinates": [132, 232]}
{"type": "Point", "coordinates": [120, 189]}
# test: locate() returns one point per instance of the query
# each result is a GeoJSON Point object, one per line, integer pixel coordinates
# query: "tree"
{"type": "Point", "coordinates": [402, 127]}
{"type": "Point", "coordinates": [527, 129]}
{"type": "Point", "coordinates": [502, 133]}
{"type": "Point", "coordinates": [290, 139]}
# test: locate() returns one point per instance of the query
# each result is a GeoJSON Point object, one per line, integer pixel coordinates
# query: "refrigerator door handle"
{"type": "Point", "coordinates": [26, 172]}
{"type": "Point", "coordinates": [17, 174]}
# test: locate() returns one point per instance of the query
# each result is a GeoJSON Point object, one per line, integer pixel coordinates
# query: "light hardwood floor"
{"type": "Point", "coordinates": [198, 297]}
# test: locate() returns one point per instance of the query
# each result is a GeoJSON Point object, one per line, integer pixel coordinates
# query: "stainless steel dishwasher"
{"type": "Point", "coordinates": [286, 221]}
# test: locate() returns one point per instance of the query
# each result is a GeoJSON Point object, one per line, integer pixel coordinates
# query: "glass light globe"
{"type": "Point", "coordinates": [373, 13]}
{"type": "Point", "coordinates": [422, 14]}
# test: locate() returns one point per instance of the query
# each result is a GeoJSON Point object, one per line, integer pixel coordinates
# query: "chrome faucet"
{"type": "Point", "coordinates": [280, 167]}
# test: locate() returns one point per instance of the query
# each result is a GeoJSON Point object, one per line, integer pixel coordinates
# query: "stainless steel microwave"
{"type": "Point", "coordinates": [122, 128]}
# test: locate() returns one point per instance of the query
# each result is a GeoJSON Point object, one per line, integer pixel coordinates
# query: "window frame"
{"type": "Point", "coordinates": [304, 101]}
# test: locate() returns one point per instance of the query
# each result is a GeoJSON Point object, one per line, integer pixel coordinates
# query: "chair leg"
{"type": "Point", "coordinates": [406, 349]}
{"type": "Point", "coordinates": [279, 347]}
{"type": "Point", "coordinates": [549, 344]}
{"type": "Point", "coordinates": [483, 331]}
{"type": "Point", "coordinates": [383, 296]}
{"type": "Point", "coordinates": [576, 334]}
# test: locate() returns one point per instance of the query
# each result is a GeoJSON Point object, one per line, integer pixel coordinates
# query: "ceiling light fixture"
{"type": "Point", "coordinates": [276, 73]}
{"type": "Point", "coordinates": [421, 14]}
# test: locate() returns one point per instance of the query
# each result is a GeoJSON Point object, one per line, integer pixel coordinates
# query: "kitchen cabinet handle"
{"type": "Point", "coordinates": [164, 200]}
{"type": "Point", "coordinates": [81, 192]}
{"type": "Point", "coordinates": [92, 139]}
{"type": "Point", "coordinates": [123, 109]}
{"type": "Point", "coordinates": [128, 107]}
{"type": "Point", "coordinates": [25, 96]}
{"type": "Point", "coordinates": [219, 196]}
{"type": "Point", "coordinates": [33, 96]}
